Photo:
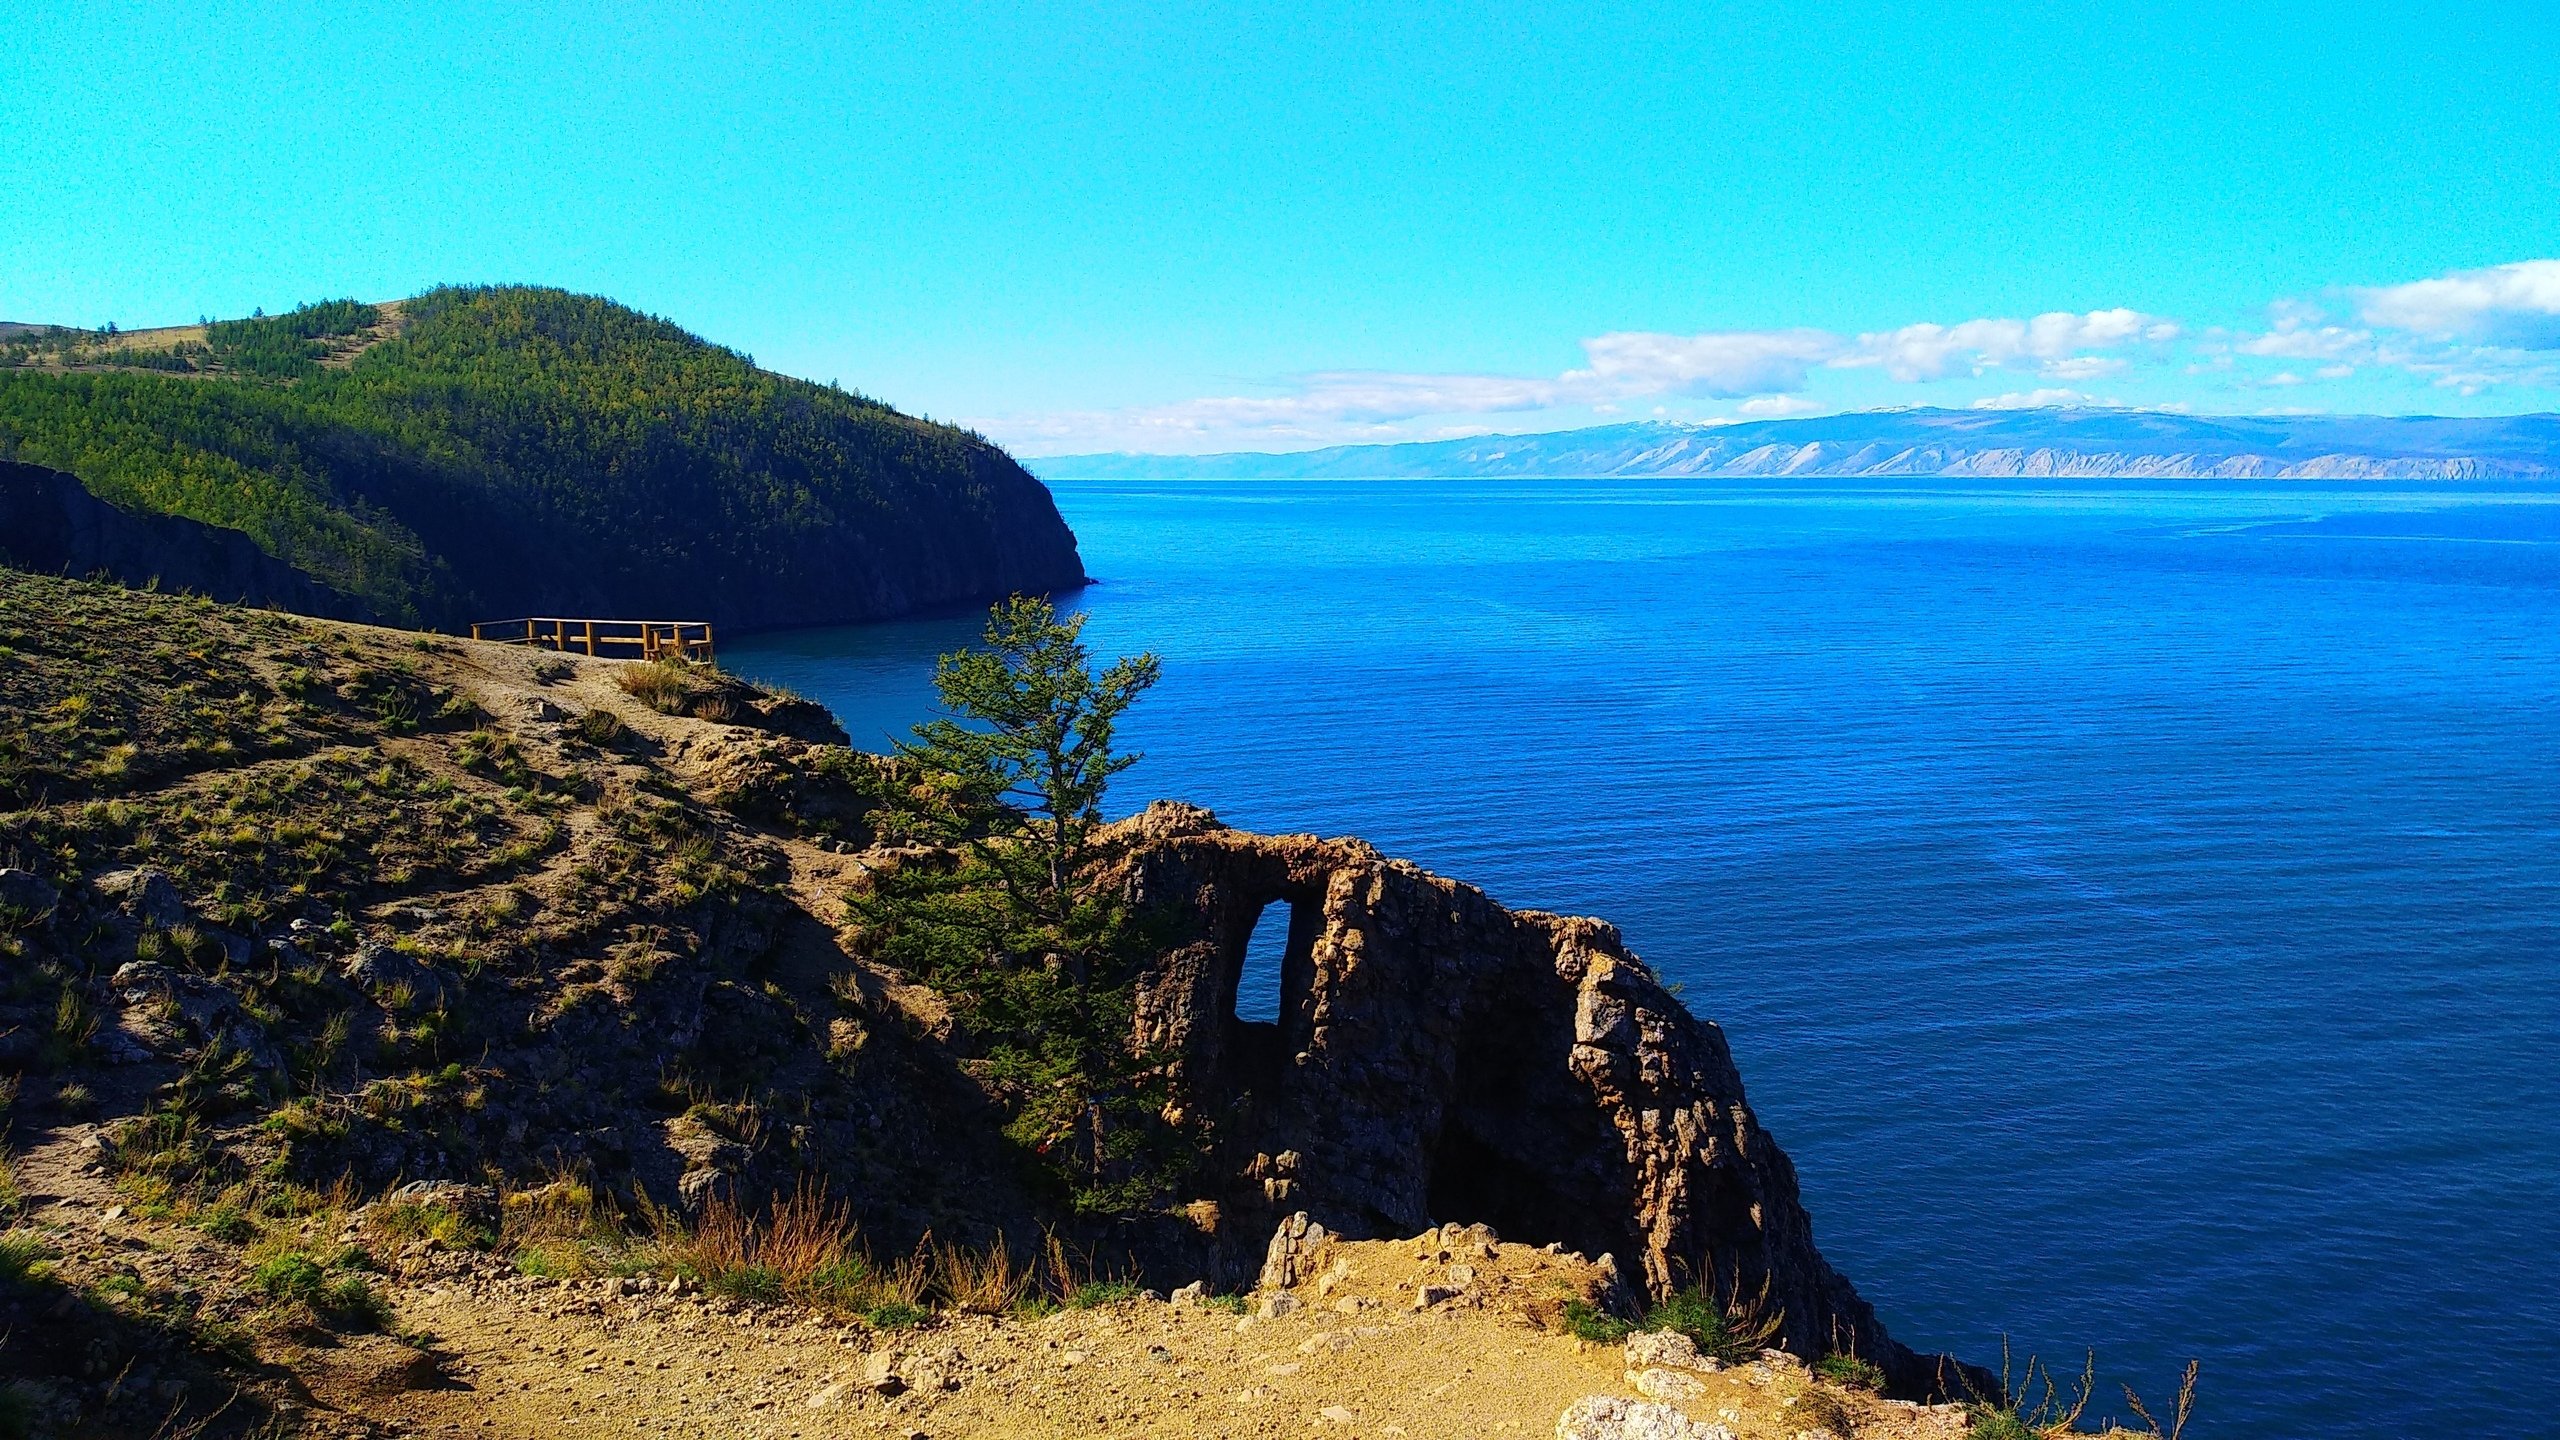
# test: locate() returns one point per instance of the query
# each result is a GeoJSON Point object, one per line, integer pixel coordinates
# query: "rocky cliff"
{"type": "Point", "coordinates": [1439, 1058]}
{"type": "Point", "coordinates": [49, 522]}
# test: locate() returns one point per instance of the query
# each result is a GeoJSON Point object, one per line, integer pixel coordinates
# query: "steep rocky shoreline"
{"type": "Point", "coordinates": [301, 912]}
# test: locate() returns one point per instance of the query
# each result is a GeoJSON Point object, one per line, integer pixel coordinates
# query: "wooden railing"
{"type": "Point", "coordinates": [626, 639]}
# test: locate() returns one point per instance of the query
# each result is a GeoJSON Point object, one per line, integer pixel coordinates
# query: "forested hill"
{"type": "Point", "coordinates": [479, 453]}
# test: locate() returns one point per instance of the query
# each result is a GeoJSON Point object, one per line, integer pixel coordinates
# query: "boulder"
{"type": "Point", "coordinates": [476, 1205]}
{"type": "Point", "coordinates": [1611, 1417]}
{"type": "Point", "coordinates": [378, 968]}
{"type": "Point", "coordinates": [1291, 1256]}
{"type": "Point", "coordinates": [25, 894]}
{"type": "Point", "coordinates": [1668, 1386]}
{"type": "Point", "coordinates": [145, 896]}
{"type": "Point", "coordinates": [1649, 1348]}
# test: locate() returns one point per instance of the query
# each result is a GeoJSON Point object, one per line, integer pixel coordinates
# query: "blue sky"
{"type": "Point", "coordinates": [1188, 227]}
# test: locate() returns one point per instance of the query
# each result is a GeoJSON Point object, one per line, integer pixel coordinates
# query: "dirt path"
{"type": "Point", "coordinates": [1353, 1357]}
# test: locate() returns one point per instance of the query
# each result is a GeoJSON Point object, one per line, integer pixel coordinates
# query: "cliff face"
{"type": "Point", "coordinates": [1441, 1059]}
{"type": "Point", "coordinates": [49, 522]}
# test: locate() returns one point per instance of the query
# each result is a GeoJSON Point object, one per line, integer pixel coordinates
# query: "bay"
{"type": "Point", "coordinates": [2136, 907]}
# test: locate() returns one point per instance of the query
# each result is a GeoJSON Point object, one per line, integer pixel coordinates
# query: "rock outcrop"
{"type": "Point", "coordinates": [49, 522]}
{"type": "Point", "coordinates": [1440, 1058]}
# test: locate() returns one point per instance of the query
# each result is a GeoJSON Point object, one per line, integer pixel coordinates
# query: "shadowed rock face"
{"type": "Point", "coordinates": [49, 522]}
{"type": "Point", "coordinates": [1440, 1059]}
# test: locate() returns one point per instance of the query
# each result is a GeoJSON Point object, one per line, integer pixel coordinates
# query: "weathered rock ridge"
{"type": "Point", "coordinates": [1439, 1058]}
{"type": "Point", "coordinates": [50, 523]}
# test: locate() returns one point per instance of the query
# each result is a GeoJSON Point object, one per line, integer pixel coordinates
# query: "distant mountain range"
{"type": "Point", "coordinates": [2069, 443]}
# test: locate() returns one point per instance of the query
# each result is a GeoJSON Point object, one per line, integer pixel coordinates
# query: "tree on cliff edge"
{"type": "Point", "coordinates": [1026, 763]}
{"type": "Point", "coordinates": [1002, 914]}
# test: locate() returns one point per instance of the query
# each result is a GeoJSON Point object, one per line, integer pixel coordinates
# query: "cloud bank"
{"type": "Point", "coordinates": [2466, 332]}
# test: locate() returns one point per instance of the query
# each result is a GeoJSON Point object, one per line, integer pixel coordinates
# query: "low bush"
{"type": "Point", "coordinates": [1849, 1371]}
{"type": "Point", "coordinates": [326, 1287]}
{"type": "Point", "coordinates": [1586, 1321]}
{"type": "Point", "coordinates": [1729, 1333]}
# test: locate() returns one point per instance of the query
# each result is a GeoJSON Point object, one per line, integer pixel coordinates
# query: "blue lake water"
{"type": "Point", "coordinates": [2136, 907]}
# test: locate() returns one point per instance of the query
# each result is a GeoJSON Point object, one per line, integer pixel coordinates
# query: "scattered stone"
{"type": "Point", "coordinates": [1191, 1294]}
{"type": "Point", "coordinates": [1275, 1306]}
{"type": "Point", "coordinates": [1334, 1275]}
{"type": "Point", "coordinates": [879, 1373]}
{"type": "Point", "coordinates": [1292, 1252]}
{"type": "Point", "coordinates": [1669, 1386]}
{"type": "Point", "coordinates": [1612, 1417]}
{"type": "Point", "coordinates": [1338, 1415]}
{"type": "Point", "coordinates": [26, 893]}
{"type": "Point", "coordinates": [1427, 1296]}
{"type": "Point", "coordinates": [145, 895]}
{"type": "Point", "coordinates": [1647, 1349]}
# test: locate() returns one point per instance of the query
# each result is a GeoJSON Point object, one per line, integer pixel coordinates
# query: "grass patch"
{"type": "Point", "coordinates": [1093, 1293]}
{"type": "Point", "coordinates": [24, 1260]}
{"type": "Point", "coordinates": [1849, 1372]}
{"type": "Point", "coordinates": [327, 1287]}
{"type": "Point", "coordinates": [1728, 1333]}
{"type": "Point", "coordinates": [1586, 1321]}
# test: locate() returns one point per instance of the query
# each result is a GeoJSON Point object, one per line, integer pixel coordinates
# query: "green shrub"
{"type": "Point", "coordinates": [1716, 1330]}
{"type": "Point", "coordinates": [410, 1220]}
{"type": "Point", "coordinates": [761, 1283]}
{"type": "Point", "coordinates": [1586, 1321]}
{"type": "Point", "coordinates": [342, 1300]}
{"type": "Point", "coordinates": [1849, 1371]}
{"type": "Point", "coordinates": [24, 1260]}
{"type": "Point", "coordinates": [227, 1222]}
{"type": "Point", "coordinates": [896, 1315]}
{"type": "Point", "coordinates": [1094, 1293]}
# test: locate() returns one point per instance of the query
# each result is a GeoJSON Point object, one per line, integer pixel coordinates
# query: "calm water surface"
{"type": "Point", "coordinates": [2136, 908]}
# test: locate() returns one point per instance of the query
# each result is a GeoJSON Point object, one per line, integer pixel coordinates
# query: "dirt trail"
{"type": "Point", "coordinates": [1350, 1355]}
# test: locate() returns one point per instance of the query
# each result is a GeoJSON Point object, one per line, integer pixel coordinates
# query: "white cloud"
{"type": "Point", "coordinates": [2046, 399]}
{"type": "Point", "coordinates": [1720, 364]}
{"type": "Point", "coordinates": [1777, 407]}
{"type": "Point", "coordinates": [2082, 367]}
{"type": "Point", "coordinates": [2291, 340]}
{"type": "Point", "coordinates": [2051, 342]}
{"type": "Point", "coordinates": [1351, 405]}
{"type": "Point", "coordinates": [2335, 372]}
{"type": "Point", "coordinates": [2515, 306]}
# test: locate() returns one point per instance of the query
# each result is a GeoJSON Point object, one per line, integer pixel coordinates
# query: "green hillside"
{"type": "Point", "coordinates": [475, 453]}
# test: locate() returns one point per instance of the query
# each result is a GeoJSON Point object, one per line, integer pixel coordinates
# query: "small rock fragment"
{"type": "Point", "coordinates": [880, 1373]}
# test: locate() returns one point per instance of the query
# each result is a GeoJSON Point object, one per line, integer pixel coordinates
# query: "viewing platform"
{"type": "Point", "coordinates": [611, 639]}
